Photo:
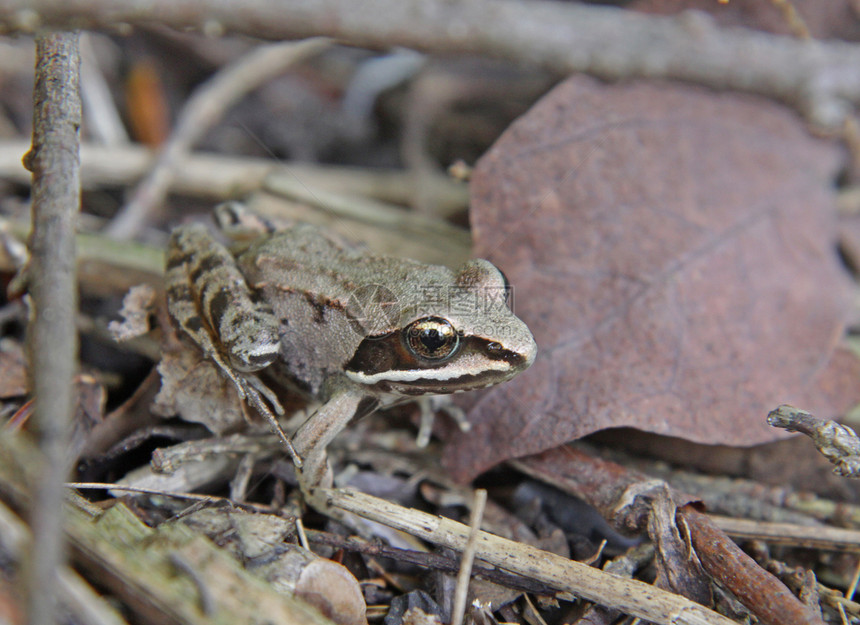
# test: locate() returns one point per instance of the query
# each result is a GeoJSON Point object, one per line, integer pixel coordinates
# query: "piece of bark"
{"type": "Point", "coordinates": [678, 569]}
{"type": "Point", "coordinates": [172, 575]}
{"type": "Point", "coordinates": [762, 593]}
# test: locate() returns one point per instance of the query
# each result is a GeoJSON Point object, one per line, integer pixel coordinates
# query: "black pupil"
{"type": "Point", "coordinates": [432, 339]}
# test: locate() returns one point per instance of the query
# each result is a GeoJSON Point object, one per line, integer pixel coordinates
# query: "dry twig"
{"type": "Point", "coordinates": [804, 536]}
{"type": "Point", "coordinates": [836, 442]}
{"type": "Point", "coordinates": [51, 273]}
{"type": "Point", "coordinates": [428, 560]}
{"type": "Point", "coordinates": [820, 78]}
{"type": "Point", "coordinates": [220, 177]}
{"type": "Point", "coordinates": [468, 557]}
{"type": "Point", "coordinates": [630, 596]}
{"type": "Point", "coordinates": [762, 593]}
{"type": "Point", "coordinates": [204, 108]}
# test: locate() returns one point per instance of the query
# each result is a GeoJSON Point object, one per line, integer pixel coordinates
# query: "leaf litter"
{"type": "Point", "coordinates": [705, 244]}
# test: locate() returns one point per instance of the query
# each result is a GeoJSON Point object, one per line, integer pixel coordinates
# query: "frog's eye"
{"type": "Point", "coordinates": [431, 338]}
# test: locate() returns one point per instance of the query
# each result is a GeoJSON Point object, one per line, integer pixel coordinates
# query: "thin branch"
{"type": "Point", "coordinates": [468, 557]}
{"type": "Point", "coordinates": [821, 537]}
{"type": "Point", "coordinates": [821, 78]}
{"type": "Point", "coordinates": [429, 560]}
{"type": "Point", "coordinates": [220, 177]}
{"type": "Point", "coordinates": [628, 595]}
{"type": "Point", "coordinates": [202, 110]}
{"type": "Point", "coordinates": [52, 339]}
{"type": "Point", "coordinates": [836, 442]}
{"type": "Point", "coordinates": [766, 597]}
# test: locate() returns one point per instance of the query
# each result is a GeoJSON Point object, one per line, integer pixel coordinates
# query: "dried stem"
{"type": "Point", "coordinates": [220, 177]}
{"type": "Point", "coordinates": [836, 442]}
{"type": "Point", "coordinates": [428, 560]}
{"type": "Point", "coordinates": [630, 596]}
{"type": "Point", "coordinates": [624, 497]}
{"type": "Point", "coordinates": [468, 558]}
{"type": "Point", "coordinates": [203, 109]}
{"type": "Point", "coordinates": [52, 339]}
{"type": "Point", "coordinates": [820, 78]}
{"type": "Point", "coordinates": [805, 536]}
{"type": "Point", "coordinates": [761, 592]}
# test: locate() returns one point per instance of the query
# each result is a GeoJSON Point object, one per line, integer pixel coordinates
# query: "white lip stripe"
{"type": "Point", "coordinates": [413, 375]}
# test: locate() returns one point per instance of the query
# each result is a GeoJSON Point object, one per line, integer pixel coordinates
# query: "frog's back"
{"type": "Point", "coordinates": [318, 284]}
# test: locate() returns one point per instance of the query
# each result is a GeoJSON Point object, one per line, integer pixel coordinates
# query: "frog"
{"type": "Point", "coordinates": [296, 307]}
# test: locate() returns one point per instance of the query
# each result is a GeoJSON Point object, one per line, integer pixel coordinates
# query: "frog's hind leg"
{"type": "Point", "coordinates": [210, 301]}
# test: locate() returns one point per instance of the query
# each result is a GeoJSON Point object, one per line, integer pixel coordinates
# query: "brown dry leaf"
{"type": "Point", "coordinates": [672, 251]}
{"type": "Point", "coordinates": [192, 388]}
{"type": "Point", "coordinates": [90, 401]}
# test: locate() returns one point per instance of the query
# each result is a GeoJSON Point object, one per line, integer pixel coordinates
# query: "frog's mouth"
{"type": "Point", "coordinates": [384, 365]}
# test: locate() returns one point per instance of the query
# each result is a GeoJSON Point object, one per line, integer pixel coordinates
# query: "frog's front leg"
{"type": "Point", "coordinates": [346, 402]}
{"type": "Point", "coordinates": [208, 298]}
